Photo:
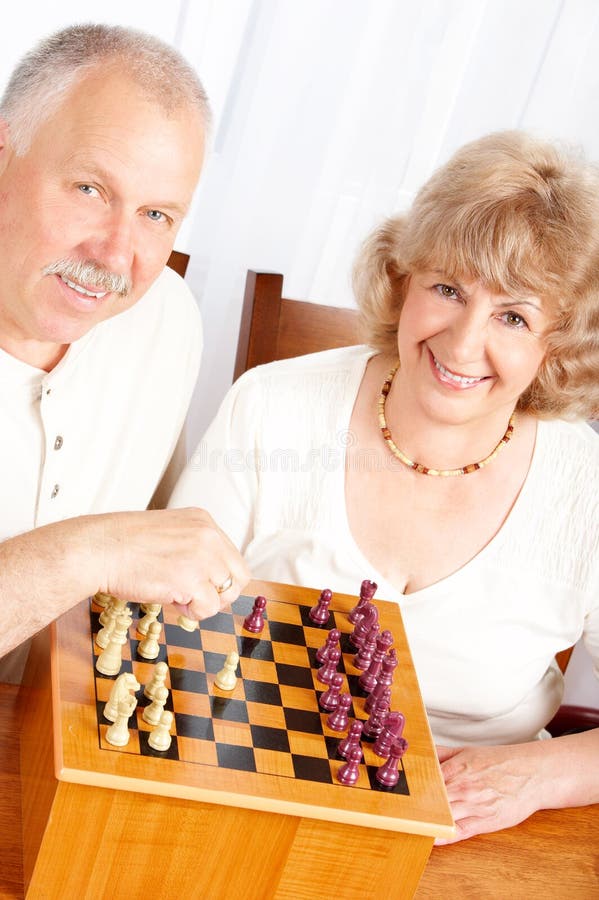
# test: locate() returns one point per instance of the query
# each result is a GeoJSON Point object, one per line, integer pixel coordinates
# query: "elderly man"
{"type": "Point", "coordinates": [102, 138]}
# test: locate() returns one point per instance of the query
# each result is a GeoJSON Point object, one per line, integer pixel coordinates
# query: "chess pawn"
{"type": "Point", "coordinates": [226, 679]}
{"type": "Point", "coordinates": [160, 737]}
{"type": "Point", "coordinates": [254, 622]}
{"type": "Point", "coordinates": [110, 660]}
{"type": "Point", "coordinates": [118, 734]}
{"type": "Point", "coordinates": [152, 612]}
{"type": "Point", "coordinates": [330, 699]}
{"type": "Point", "coordinates": [187, 624]}
{"type": "Point", "coordinates": [333, 638]}
{"type": "Point", "coordinates": [367, 592]}
{"type": "Point", "coordinates": [353, 738]}
{"type": "Point", "coordinates": [388, 774]}
{"type": "Point", "coordinates": [149, 648]}
{"type": "Point", "coordinates": [368, 679]}
{"type": "Point", "coordinates": [350, 771]}
{"type": "Point", "coordinates": [158, 678]}
{"type": "Point", "coordinates": [121, 688]}
{"type": "Point", "coordinates": [338, 720]}
{"type": "Point", "coordinates": [319, 614]}
{"type": "Point", "coordinates": [152, 713]}
{"type": "Point", "coordinates": [391, 732]}
{"type": "Point", "coordinates": [364, 655]}
{"type": "Point", "coordinates": [326, 671]}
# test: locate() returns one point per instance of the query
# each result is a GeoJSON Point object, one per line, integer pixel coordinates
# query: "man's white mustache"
{"type": "Point", "coordinates": [89, 274]}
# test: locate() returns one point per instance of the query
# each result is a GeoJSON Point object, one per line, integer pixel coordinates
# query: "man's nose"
{"type": "Point", "coordinates": [111, 244]}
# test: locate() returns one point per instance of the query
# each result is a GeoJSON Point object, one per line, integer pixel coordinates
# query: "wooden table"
{"type": "Point", "coordinates": [555, 853]}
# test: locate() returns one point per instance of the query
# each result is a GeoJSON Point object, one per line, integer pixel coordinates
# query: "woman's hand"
{"type": "Point", "coordinates": [490, 788]}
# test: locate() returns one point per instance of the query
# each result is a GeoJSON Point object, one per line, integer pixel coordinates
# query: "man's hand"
{"type": "Point", "coordinates": [175, 556]}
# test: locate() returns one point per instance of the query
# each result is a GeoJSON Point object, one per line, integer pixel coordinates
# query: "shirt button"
{"type": "Point", "coordinates": [58, 442]}
{"type": "Point", "coordinates": [55, 491]}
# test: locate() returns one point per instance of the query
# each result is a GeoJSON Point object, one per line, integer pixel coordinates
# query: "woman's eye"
{"type": "Point", "coordinates": [86, 189]}
{"type": "Point", "coordinates": [514, 320]}
{"type": "Point", "coordinates": [446, 290]}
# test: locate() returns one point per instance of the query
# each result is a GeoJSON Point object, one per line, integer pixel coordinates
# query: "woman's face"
{"type": "Point", "coordinates": [466, 352]}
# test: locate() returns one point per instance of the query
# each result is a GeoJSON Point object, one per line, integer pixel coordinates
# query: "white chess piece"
{"type": "Point", "coordinates": [152, 713]}
{"type": "Point", "coordinates": [118, 734]}
{"type": "Point", "coordinates": [121, 689]}
{"type": "Point", "coordinates": [152, 613]}
{"type": "Point", "coordinates": [110, 660]}
{"type": "Point", "coordinates": [158, 678]}
{"type": "Point", "coordinates": [149, 648]}
{"type": "Point", "coordinates": [160, 738]}
{"type": "Point", "coordinates": [226, 679]}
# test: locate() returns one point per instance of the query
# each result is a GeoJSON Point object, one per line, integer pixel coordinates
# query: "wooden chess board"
{"type": "Point", "coordinates": [263, 746]}
{"type": "Point", "coordinates": [241, 811]}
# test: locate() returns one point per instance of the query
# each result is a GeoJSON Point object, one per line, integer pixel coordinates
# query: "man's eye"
{"type": "Point", "coordinates": [156, 216]}
{"type": "Point", "coordinates": [86, 189]}
{"type": "Point", "coordinates": [446, 290]}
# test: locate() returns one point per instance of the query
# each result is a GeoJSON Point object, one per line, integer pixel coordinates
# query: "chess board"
{"type": "Point", "coordinates": [263, 746]}
{"type": "Point", "coordinates": [271, 723]}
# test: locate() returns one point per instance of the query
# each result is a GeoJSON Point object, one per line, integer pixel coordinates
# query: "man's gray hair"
{"type": "Point", "coordinates": [50, 69]}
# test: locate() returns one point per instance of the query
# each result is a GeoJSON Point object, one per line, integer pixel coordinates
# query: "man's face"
{"type": "Point", "coordinates": [107, 181]}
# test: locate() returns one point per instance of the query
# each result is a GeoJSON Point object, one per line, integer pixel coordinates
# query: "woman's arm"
{"type": "Point", "coordinates": [490, 788]}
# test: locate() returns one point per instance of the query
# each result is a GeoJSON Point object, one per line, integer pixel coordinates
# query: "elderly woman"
{"type": "Point", "coordinates": [448, 460]}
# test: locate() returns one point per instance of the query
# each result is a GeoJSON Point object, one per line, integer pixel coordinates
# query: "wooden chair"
{"type": "Point", "coordinates": [274, 327]}
{"type": "Point", "coordinates": [179, 262]}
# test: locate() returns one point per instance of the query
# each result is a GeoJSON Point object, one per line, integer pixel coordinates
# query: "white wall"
{"type": "Point", "coordinates": [328, 115]}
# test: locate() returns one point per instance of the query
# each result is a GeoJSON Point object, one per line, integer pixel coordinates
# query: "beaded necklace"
{"type": "Point", "coordinates": [418, 467]}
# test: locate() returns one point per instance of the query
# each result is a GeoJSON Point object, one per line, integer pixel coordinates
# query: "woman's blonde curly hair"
{"type": "Point", "coordinates": [523, 218]}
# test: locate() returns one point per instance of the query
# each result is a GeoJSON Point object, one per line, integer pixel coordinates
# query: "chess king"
{"type": "Point", "coordinates": [102, 138]}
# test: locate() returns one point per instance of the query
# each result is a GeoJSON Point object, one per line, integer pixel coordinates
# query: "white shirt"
{"type": "Point", "coordinates": [97, 432]}
{"type": "Point", "coordinates": [271, 471]}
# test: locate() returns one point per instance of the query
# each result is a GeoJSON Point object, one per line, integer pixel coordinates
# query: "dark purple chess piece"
{"type": "Point", "coordinates": [319, 614]}
{"type": "Point", "coordinates": [380, 692]}
{"type": "Point", "coordinates": [374, 723]}
{"type": "Point", "coordinates": [388, 668]}
{"type": "Point", "coordinates": [367, 592]}
{"type": "Point", "coordinates": [363, 657]}
{"type": "Point", "coordinates": [388, 774]}
{"type": "Point", "coordinates": [350, 771]}
{"type": "Point", "coordinates": [254, 622]}
{"type": "Point", "coordinates": [326, 671]}
{"type": "Point", "coordinates": [368, 679]}
{"type": "Point", "coordinates": [365, 623]}
{"type": "Point", "coordinates": [338, 720]}
{"type": "Point", "coordinates": [352, 740]}
{"type": "Point", "coordinates": [330, 699]}
{"type": "Point", "coordinates": [333, 638]}
{"type": "Point", "coordinates": [391, 732]}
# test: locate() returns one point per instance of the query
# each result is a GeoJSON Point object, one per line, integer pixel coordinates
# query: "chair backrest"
{"type": "Point", "coordinates": [275, 327]}
{"type": "Point", "coordinates": [179, 262]}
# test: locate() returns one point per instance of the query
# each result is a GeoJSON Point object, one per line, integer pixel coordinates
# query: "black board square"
{"type": "Point", "coordinates": [303, 720]}
{"type": "Point", "coordinates": [269, 738]}
{"type": "Point", "coordinates": [243, 605]}
{"type": "Point", "coordinates": [223, 623]}
{"type": "Point", "coordinates": [400, 788]}
{"type": "Point", "coordinates": [214, 662]}
{"type": "Point", "coordinates": [294, 676]}
{"type": "Point", "coordinates": [346, 645]}
{"type": "Point", "coordinates": [194, 726]}
{"type": "Point", "coordinates": [146, 750]}
{"type": "Point", "coordinates": [262, 692]}
{"type": "Point", "coordinates": [285, 633]}
{"type": "Point", "coordinates": [332, 745]}
{"type": "Point", "coordinates": [307, 621]}
{"type": "Point", "coordinates": [229, 710]}
{"type": "Point", "coordinates": [255, 648]}
{"type": "Point", "coordinates": [178, 637]}
{"type": "Point", "coordinates": [310, 768]}
{"type": "Point", "coordinates": [230, 757]}
{"type": "Point", "coordinates": [188, 680]}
